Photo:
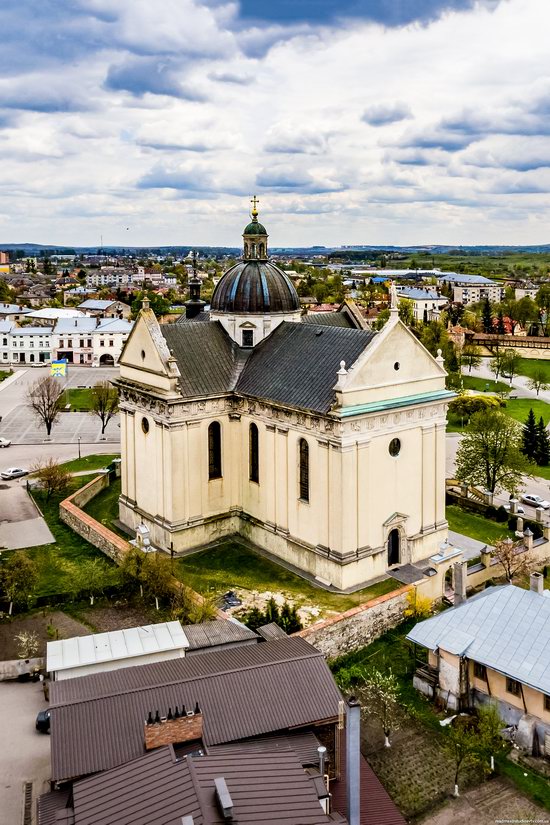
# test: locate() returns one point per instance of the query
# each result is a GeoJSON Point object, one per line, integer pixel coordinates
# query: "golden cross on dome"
{"type": "Point", "coordinates": [254, 201]}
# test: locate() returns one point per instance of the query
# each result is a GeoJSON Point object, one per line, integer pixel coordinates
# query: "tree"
{"type": "Point", "coordinates": [495, 364]}
{"type": "Point", "coordinates": [434, 336]}
{"type": "Point", "coordinates": [543, 302]}
{"type": "Point", "coordinates": [93, 576]}
{"type": "Point", "coordinates": [462, 745]}
{"type": "Point", "coordinates": [104, 402]}
{"type": "Point", "coordinates": [487, 316]}
{"type": "Point", "coordinates": [500, 323]}
{"type": "Point", "coordinates": [538, 381]}
{"type": "Point", "coordinates": [471, 355]}
{"type": "Point", "coordinates": [406, 313]}
{"type": "Point", "coordinates": [529, 437]}
{"type": "Point", "coordinates": [157, 303]}
{"type": "Point", "coordinates": [18, 576]}
{"type": "Point", "coordinates": [27, 644]}
{"type": "Point", "coordinates": [130, 569]}
{"type": "Point", "coordinates": [45, 398]}
{"type": "Point", "coordinates": [490, 453]}
{"type": "Point", "coordinates": [542, 451]}
{"type": "Point", "coordinates": [510, 363]}
{"type": "Point", "coordinates": [53, 478]}
{"type": "Point", "coordinates": [156, 576]}
{"type": "Point", "coordinates": [513, 557]}
{"type": "Point", "coordinates": [378, 694]}
{"type": "Point", "coordinates": [489, 729]}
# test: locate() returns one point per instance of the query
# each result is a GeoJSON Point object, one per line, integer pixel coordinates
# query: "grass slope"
{"type": "Point", "coordinates": [470, 382]}
{"type": "Point", "coordinates": [477, 527]}
{"type": "Point", "coordinates": [89, 462]}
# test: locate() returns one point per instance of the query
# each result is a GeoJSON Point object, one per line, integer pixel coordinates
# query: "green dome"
{"type": "Point", "coordinates": [255, 228]}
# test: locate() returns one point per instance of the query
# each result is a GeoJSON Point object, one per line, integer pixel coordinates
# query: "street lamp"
{"type": "Point", "coordinates": [79, 437]}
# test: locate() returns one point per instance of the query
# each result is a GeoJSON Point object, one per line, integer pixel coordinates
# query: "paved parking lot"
{"type": "Point", "coordinates": [22, 427]}
{"type": "Point", "coordinates": [25, 753]}
{"type": "Point", "coordinates": [21, 525]}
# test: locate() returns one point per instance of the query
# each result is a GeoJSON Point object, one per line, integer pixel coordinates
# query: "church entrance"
{"type": "Point", "coordinates": [393, 547]}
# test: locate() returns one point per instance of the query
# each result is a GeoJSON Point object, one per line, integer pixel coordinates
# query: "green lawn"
{"type": "Point", "coordinates": [4, 374]}
{"type": "Point", "coordinates": [56, 562]}
{"type": "Point", "coordinates": [470, 382]}
{"type": "Point", "coordinates": [80, 399]}
{"type": "Point", "coordinates": [232, 566]}
{"type": "Point", "coordinates": [89, 462]}
{"type": "Point", "coordinates": [527, 366]}
{"type": "Point", "coordinates": [104, 506]}
{"type": "Point", "coordinates": [477, 527]}
{"type": "Point", "coordinates": [516, 408]}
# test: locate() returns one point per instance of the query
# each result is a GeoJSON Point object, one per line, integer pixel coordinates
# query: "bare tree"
{"type": "Point", "coordinates": [53, 477]}
{"type": "Point", "coordinates": [45, 398]}
{"type": "Point", "coordinates": [104, 403]}
{"type": "Point", "coordinates": [513, 557]}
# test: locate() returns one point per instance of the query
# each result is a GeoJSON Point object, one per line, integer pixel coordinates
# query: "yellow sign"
{"type": "Point", "coordinates": [58, 369]}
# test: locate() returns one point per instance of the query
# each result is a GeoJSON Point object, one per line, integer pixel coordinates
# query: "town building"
{"type": "Point", "coordinates": [470, 289]}
{"type": "Point", "coordinates": [301, 436]}
{"type": "Point", "coordinates": [104, 309]}
{"type": "Point", "coordinates": [92, 341]}
{"type": "Point", "coordinates": [13, 312]}
{"type": "Point", "coordinates": [426, 303]}
{"type": "Point", "coordinates": [108, 341]}
{"type": "Point", "coordinates": [30, 345]}
{"type": "Point", "coordinates": [494, 647]}
{"type": "Point", "coordinates": [48, 316]}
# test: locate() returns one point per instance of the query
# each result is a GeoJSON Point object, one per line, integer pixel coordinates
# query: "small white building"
{"type": "Point", "coordinates": [108, 339]}
{"type": "Point", "coordinates": [49, 315]}
{"type": "Point", "coordinates": [13, 312]}
{"type": "Point", "coordinates": [104, 309]}
{"type": "Point", "coordinates": [427, 304]}
{"type": "Point", "coordinates": [29, 345]}
{"type": "Point", "coordinates": [82, 655]}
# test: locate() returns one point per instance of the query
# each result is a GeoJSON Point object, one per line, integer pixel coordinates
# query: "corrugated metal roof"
{"type": "Point", "coordinates": [217, 632]}
{"type": "Point", "coordinates": [328, 319]}
{"type": "Point", "coordinates": [297, 364]}
{"type": "Point", "coordinates": [505, 628]}
{"type": "Point", "coordinates": [115, 645]}
{"type": "Point", "coordinates": [271, 631]}
{"type": "Point", "coordinates": [304, 745]}
{"type": "Point", "coordinates": [97, 720]}
{"type": "Point", "coordinates": [157, 789]}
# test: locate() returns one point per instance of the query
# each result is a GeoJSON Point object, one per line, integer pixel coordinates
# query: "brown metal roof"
{"type": "Point", "coordinates": [271, 631]}
{"type": "Point", "coordinates": [97, 720]}
{"type": "Point", "coordinates": [303, 744]}
{"type": "Point", "coordinates": [376, 805]}
{"type": "Point", "coordinates": [158, 789]}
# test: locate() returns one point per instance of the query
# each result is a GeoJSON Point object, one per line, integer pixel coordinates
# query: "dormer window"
{"type": "Point", "coordinates": [248, 337]}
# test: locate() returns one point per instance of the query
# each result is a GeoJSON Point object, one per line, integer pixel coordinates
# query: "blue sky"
{"type": "Point", "coordinates": [362, 121]}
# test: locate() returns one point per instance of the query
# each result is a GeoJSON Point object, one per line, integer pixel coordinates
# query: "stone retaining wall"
{"type": "Point", "coordinates": [359, 626]}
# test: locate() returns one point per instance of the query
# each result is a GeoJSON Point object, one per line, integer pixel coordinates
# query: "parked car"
{"type": "Point", "coordinates": [43, 721]}
{"type": "Point", "coordinates": [520, 509]}
{"type": "Point", "coordinates": [17, 472]}
{"type": "Point", "coordinates": [536, 501]}
{"type": "Point", "coordinates": [4, 442]}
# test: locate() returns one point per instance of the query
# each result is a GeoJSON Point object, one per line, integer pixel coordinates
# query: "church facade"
{"type": "Point", "coordinates": [316, 440]}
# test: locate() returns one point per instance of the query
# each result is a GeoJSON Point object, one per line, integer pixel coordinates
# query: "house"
{"type": "Point", "coordinates": [99, 652]}
{"type": "Point", "coordinates": [73, 339]}
{"type": "Point", "coordinates": [255, 734]}
{"type": "Point", "coordinates": [104, 309]}
{"type": "Point", "coordinates": [30, 345]}
{"type": "Point", "coordinates": [13, 312]}
{"type": "Point", "coordinates": [493, 647]}
{"type": "Point", "coordinates": [5, 340]}
{"type": "Point", "coordinates": [426, 303]}
{"type": "Point", "coordinates": [300, 435]}
{"type": "Point", "coordinates": [108, 340]}
{"type": "Point", "coordinates": [48, 316]}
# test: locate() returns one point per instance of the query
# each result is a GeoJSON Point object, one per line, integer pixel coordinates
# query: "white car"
{"type": "Point", "coordinates": [4, 442]}
{"type": "Point", "coordinates": [536, 501]}
{"type": "Point", "coordinates": [520, 509]}
{"type": "Point", "coordinates": [13, 472]}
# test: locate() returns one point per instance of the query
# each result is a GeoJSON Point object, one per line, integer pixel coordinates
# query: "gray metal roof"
{"type": "Point", "coordinates": [97, 720]}
{"type": "Point", "coordinates": [297, 365]}
{"type": "Point", "coordinates": [271, 631]}
{"type": "Point", "coordinates": [327, 319]}
{"type": "Point", "coordinates": [158, 788]}
{"type": "Point", "coordinates": [217, 632]}
{"type": "Point", "coordinates": [505, 628]}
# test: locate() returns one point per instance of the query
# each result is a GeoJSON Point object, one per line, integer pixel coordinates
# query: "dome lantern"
{"type": "Point", "coordinates": [255, 236]}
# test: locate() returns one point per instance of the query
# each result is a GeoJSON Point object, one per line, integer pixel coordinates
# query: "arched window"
{"type": "Point", "coordinates": [253, 454]}
{"type": "Point", "coordinates": [215, 450]}
{"type": "Point", "coordinates": [304, 470]}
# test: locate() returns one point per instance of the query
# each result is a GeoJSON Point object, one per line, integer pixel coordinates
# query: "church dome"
{"type": "Point", "coordinates": [256, 287]}
{"type": "Point", "coordinates": [255, 228]}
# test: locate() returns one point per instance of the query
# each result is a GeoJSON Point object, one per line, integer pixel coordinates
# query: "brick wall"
{"type": "Point", "coordinates": [359, 626]}
{"type": "Point", "coordinates": [172, 731]}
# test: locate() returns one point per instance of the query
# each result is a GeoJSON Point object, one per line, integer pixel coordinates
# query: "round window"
{"type": "Point", "coordinates": [145, 425]}
{"type": "Point", "coordinates": [395, 446]}
{"type": "Point", "coordinates": [396, 365]}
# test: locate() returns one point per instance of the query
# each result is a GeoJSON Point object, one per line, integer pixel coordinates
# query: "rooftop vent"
{"type": "Point", "coordinates": [225, 803]}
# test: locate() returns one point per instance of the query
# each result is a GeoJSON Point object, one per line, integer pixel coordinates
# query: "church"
{"type": "Point", "coordinates": [314, 439]}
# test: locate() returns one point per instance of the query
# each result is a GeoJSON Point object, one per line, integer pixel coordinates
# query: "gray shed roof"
{"type": "Point", "coordinates": [97, 720]}
{"type": "Point", "coordinates": [217, 632]}
{"type": "Point", "coordinates": [505, 628]}
{"type": "Point", "coordinates": [328, 319]}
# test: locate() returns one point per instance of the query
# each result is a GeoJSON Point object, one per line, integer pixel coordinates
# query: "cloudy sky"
{"type": "Point", "coordinates": [355, 121]}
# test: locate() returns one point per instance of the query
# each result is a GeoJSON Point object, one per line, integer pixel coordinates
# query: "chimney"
{"type": "Point", "coordinates": [536, 583]}
{"type": "Point", "coordinates": [172, 729]}
{"type": "Point", "coordinates": [353, 760]}
{"type": "Point", "coordinates": [223, 798]}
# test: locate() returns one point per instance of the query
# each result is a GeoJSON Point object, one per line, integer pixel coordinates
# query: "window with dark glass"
{"type": "Point", "coordinates": [479, 671]}
{"type": "Point", "coordinates": [215, 450]}
{"type": "Point", "coordinates": [512, 686]}
{"type": "Point", "coordinates": [248, 337]}
{"type": "Point", "coordinates": [547, 703]}
{"type": "Point", "coordinates": [254, 458]}
{"type": "Point", "coordinates": [304, 470]}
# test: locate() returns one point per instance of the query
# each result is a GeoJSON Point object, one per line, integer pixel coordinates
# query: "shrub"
{"type": "Point", "coordinates": [418, 607]}
{"type": "Point", "coordinates": [501, 514]}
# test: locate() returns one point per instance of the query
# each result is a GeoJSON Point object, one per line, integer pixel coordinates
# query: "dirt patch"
{"type": "Point", "coordinates": [117, 617]}
{"type": "Point", "coordinates": [47, 626]}
{"type": "Point", "coordinates": [493, 801]}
